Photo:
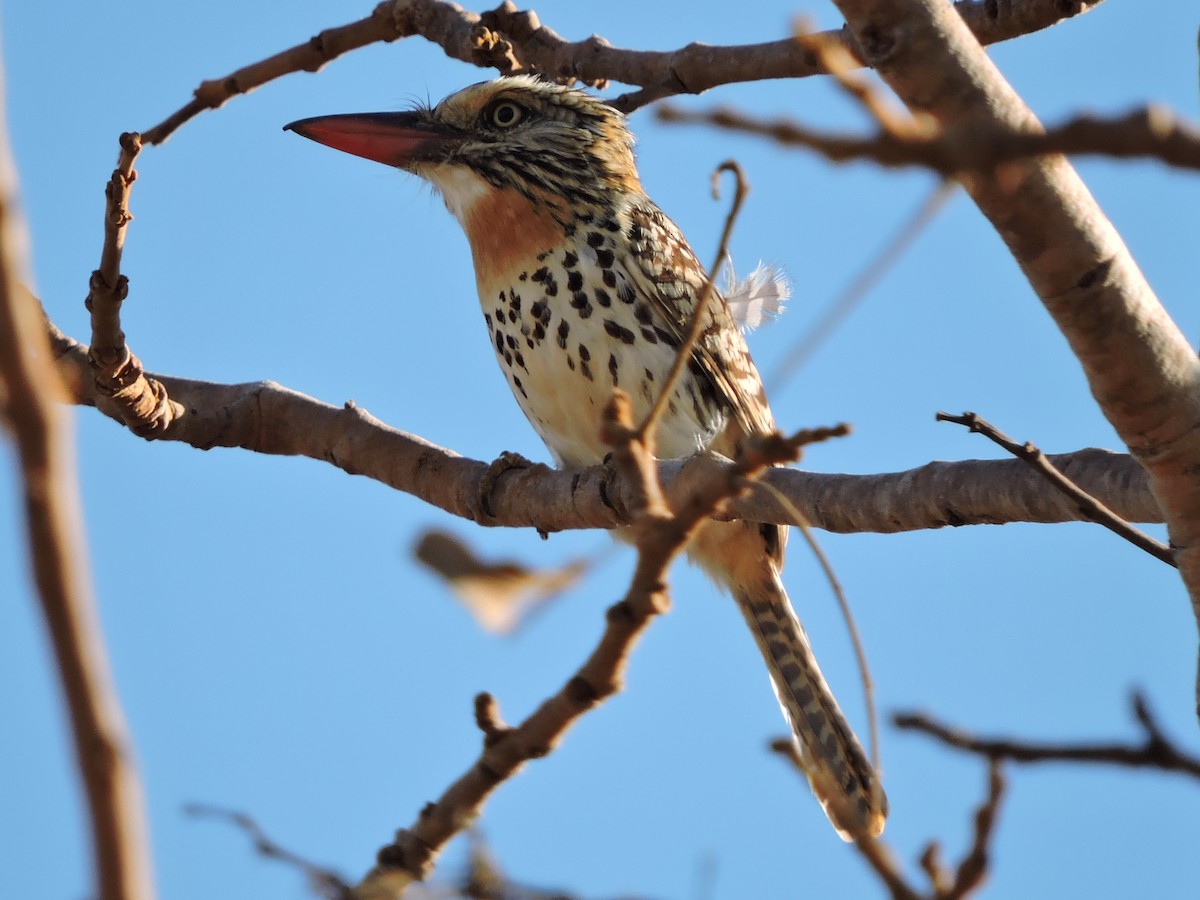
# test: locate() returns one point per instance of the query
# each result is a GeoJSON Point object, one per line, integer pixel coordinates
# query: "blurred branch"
{"type": "Point", "coordinates": [861, 285]}
{"type": "Point", "coordinates": [659, 533]}
{"type": "Point", "coordinates": [1088, 505]}
{"type": "Point", "coordinates": [30, 395]}
{"type": "Point", "coordinates": [324, 882]}
{"type": "Point", "coordinates": [1150, 133]}
{"type": "Point", "coordinates": [1157, 751]}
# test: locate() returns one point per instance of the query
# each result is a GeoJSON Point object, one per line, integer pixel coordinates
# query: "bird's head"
{"type": "Point", "coordinates": [560, 149]}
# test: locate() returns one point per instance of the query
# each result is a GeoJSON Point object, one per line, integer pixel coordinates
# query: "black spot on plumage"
{"type": "Point", "coordinates": [649, 375]}
{"type": "Point", "coordinates": [508, 358]}
{"type": "Point", "coordinates": [541, 256]}
{"type": "Point", "coordinates": [563, 330]}
{"type": "Point", "coordinates": [522, 276]}
{"type": "Point", "coordinates": [511, 341]}
{"type": "Point", "coordinates": [520, 360]}
{"type": "Point", "coordinates": [500, 315]}
{"type": "Point", "coordinates": [515, 304]}
{"type": "Point", "coordinates": [583, 353]}
{"type": "Point", "coordinates": [641, 312]}
{"type": "Point", "coordinates": [649, 335]}
{"type": "Point", "coordinates": [581, 303]}
{"type": "Point", "coordinates": [610, 278]}
{"type": "Point", "coordinates": [605, 258]}
{"type": "Point", "coordinates": [612, 367]}
{"type": "Point", "coordinates": [539, 309]}
{"type": "Point", "coordinates": [574, 280]}
{"type": "Point", "coordinates": [585, 369]}
{"type": "Point", "coordinates": [585, 217]}
{"type": "Point", "coordinates": [539, 333]}
{"type": "Point", "coordinates": [602, 297]}
{"type": "Point", "coordinates": [520, 387]}
{"type": "Point", "coordinates": [570, 260]}
{"type": "Point", "coordinates": [570, 362]}
{"type": "Point", "coordinates": [625, 292]}
{"type": "Point", "coordinates": [667, 338]}
{"type": "Point", "coordinates": [499, 342]}
{"type": "Point", "coordinates": [610, 224]}
{"type": "Point", "coordinates": [619, 331]}
{"type": "Point", "coordinates": [541, 274]}
{"type": "Point", "coordinates": [487, 317]}
{"type": "Point", "coordinates": [595, 239]}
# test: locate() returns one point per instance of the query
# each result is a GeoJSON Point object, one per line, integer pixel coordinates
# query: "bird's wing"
{"type": "Point", "coordinates": [668, 274]}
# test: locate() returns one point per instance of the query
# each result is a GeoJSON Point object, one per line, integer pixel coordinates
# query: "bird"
{"type": "Point", "coordinates": [587, 287]}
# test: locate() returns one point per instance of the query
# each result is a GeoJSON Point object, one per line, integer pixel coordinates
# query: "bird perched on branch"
{"type": "Point", "coordinates": [586, 287]}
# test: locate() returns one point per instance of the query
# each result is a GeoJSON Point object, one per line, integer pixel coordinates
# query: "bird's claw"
{"type": "Point", "coordinates": [487, 483]}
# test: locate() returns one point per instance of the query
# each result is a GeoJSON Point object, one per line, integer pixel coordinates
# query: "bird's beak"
{"type": "Point", "coordinates": [392, 138]}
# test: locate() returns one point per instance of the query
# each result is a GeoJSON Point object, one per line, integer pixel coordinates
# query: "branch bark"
{"type": "Point", "coordinates": [265, 417]}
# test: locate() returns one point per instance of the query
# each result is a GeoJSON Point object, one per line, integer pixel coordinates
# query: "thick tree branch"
{"type": "Point", "coordinates": [30, 395]}
{"type": "Point", "coordinates": [1141, 369]}
{"type": "Point", "coordinates": [265, 417]}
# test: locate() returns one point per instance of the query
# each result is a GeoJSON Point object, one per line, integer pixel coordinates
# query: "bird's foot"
{"type": "Point", "coordinates": [487, 483]}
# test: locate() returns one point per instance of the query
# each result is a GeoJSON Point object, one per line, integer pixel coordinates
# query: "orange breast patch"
{"type": "Point", "coordinates": [507, 230]}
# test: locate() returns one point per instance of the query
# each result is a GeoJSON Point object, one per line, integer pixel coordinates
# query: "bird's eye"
{"type": "Point", "coordinates": [505, 114]}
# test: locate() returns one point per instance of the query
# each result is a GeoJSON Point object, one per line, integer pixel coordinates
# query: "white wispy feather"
{"type": "Point", "coordinates": [757, 298]}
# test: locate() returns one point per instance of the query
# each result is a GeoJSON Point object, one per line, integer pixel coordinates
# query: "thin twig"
{"type": "Point", "coordinates": [383, 24]}
{"type": "Point", "coordinates": [325, 882]}
{"type": "Point", "coordinates": [1156, 752]}
{"type": "Point", "coordinates": [1088, 505]}
{"type": "Point", "coordinates": [973, 869]}
{"type": "Point", "coordinates": [141, 403]}
{"type": "Point", "coordinates": [846, 302]}
{"type": "Point", "coordinates": [700, 314]}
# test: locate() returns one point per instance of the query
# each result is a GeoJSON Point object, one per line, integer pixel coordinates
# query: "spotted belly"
{"type": "Point", "coordinates": [566, 335]}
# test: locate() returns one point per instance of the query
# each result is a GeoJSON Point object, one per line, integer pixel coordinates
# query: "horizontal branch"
{"type": "Point", "coordinates": [1152, 132]}
{"type": "Point", "coordinates": [268, 418]}
{"type": "Point", "coordinates": [1156, 751]}
{"type": "Point", "coordinates": [697, 67]}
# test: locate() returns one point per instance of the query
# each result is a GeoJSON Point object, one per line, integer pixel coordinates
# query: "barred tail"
{"type": "Point", "coordinates": [838, 770]}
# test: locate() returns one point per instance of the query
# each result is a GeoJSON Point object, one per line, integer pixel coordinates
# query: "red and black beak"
{"type": "Point", "coordinates": [392, 138]}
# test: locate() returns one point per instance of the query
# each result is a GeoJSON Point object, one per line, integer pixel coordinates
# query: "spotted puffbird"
{"type": "Point", "coordinates": [587, 286]}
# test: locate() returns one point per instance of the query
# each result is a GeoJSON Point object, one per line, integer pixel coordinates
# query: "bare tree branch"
{"type": "Point", "coordinates": [1143, 372]}
{"type": "Point", "coordinates": [659, 535]}
{"type": "Point", "coordinates": [511, 41]}
{"type": "Point", "coordinates": [1088, 505]}
{"type": "Point", "coordinates": [30, 395]}
{"type": "Point", "coordinates": [1153, 132]}
{"type": "Point", "coordinates": [1157, 751]}
{"type": "Point", "coordinates": [265, 417]}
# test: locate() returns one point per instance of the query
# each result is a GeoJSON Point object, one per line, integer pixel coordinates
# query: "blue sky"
{"type": "Point", "coordinates": [278, 653]}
